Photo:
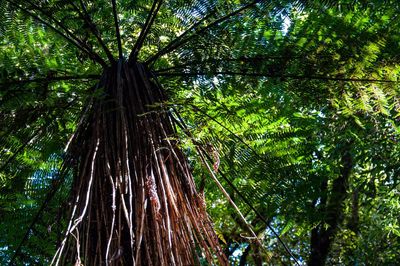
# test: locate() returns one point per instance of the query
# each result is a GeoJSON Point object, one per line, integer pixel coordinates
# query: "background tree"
{"type": "Point", "coordinates": [291, 105]}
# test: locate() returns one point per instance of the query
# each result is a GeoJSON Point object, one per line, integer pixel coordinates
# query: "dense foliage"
{"type": "Point", "coordinates": [292, 106]}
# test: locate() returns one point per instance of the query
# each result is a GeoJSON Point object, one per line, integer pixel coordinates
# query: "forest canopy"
{"type": "Point", "coordinates": [199, 132]}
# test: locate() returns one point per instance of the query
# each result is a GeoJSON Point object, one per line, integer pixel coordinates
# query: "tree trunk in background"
{"type": "Point", "coordinates": [354, 219]}
{"type": "Point", "coordinates": [322, 236]}
{"type": "Point", "coordinates": [134, 198]}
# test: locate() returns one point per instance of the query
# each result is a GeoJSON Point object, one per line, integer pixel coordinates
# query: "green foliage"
{"type": "Point", "coordinates": [273, 94]}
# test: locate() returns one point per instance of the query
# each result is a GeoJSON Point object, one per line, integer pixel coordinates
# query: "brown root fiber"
{"type": "Point", "coordinates": [134, 198]}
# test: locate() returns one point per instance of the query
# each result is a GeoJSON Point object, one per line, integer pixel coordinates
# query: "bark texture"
{"type": "Point", "coordinates": [134, 198]}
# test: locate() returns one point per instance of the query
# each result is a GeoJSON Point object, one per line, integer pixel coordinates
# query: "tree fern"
{"type": "Point", "coordinates": [268, 92]}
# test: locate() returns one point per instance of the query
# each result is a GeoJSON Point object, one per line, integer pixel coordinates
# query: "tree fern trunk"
{"type": "Point", "coordinates": [135, 201]}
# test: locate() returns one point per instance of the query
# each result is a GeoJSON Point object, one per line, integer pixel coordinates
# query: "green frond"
{"type": "Point", "coordinates": [294, 103]}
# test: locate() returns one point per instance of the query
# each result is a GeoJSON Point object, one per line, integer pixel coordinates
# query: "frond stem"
{"type": "Point", "coordinates": [237, 60]}
{"type": "Point", "coordinates": [200, 151]}
{"type": "Point", "coordinates": [181, 40]}
{"type": "Point", "coordinates": [48, 79]}
{"type": "Point", "coordinates": [49, 197]}
{"type": "Point", "coordinates": [268, 75]}
{"type": "Point", "coordinates": [35, 17]}
{"type": "Point", "coordinates": [92, 26]}
{"type": "Point", "coordinates": [35, 134]}
{"type": "Point", "coordinates": [258, 214]}
{"type": "Point", "coordinates": [149, 21]}
{"type": "Point", "coordinates": [117, 32]}
{"type": "Point", "coordinates": [85, 47]}
{"type": "Point", "coordinates": [169, 47]}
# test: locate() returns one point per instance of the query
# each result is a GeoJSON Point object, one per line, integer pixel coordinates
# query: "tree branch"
{"type": "Point", "coordinates": [222, 60]}
{"type": "Point", "coordinates": [37, 18]}
{"type": "Point", "coordinates": [268, 75]}
{"type": "Point", "coordinates": [182, 125]}
{"type": "Point", "coordinates": [26, 142]}
{"type": "Point", "coordinates": [54, 188]}
{"type": "Point", "coordinates": [114, 7]}
{"type": "Point", "coordinates": [86, 17]}
{"type": "Point", "coordinates": [149, 21]}
{"type": "Point", "coordinates": [83, 46]}
{"type": "Point", "coordinates": [182, 40]}
{"type": "Point", "coordinates": [48, 79]}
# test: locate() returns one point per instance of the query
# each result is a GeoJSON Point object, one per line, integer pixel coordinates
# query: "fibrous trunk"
{"type": "Point", "coordinates": [134, 198]}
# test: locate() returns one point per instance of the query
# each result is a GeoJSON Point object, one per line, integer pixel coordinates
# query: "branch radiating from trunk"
{"type": "Point", "coordinates": [92, 27]}
{"type": "Point", "coordinates": [117, 31]}
{"type": "Point", "coordinates": [202, 152]}
{"type": "Point", "coordinates": [183, 38]}
{"type": "Point", "coordinates": [145, 30]}
{"type": "Point", "coordinates": [67, 35]}
{"type": "Point", "coordinates": [48, 79]}
{"type": "Point", "coordinates": [270, 75]}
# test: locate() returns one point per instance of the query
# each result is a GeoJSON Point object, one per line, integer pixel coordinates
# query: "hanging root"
{"type": "Point", "coordinates": [135, 201]}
